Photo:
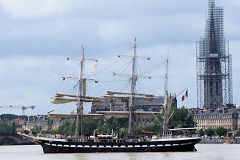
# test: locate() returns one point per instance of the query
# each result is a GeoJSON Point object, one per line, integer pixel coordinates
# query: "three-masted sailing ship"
{"type": "Point", "coordinates": [165, 142]}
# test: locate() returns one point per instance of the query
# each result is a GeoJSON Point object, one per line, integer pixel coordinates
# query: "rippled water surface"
{"type": "Point", "coordinates": [205, 152]}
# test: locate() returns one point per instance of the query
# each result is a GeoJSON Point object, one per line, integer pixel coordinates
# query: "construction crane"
{"type": "Point", "coordinates": [18, 106]}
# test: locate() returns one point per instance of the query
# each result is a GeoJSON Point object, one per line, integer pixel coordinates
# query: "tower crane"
{"type": "Point", "coordinates": [18, 106]}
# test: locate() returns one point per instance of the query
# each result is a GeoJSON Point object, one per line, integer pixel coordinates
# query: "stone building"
{"type": "Point", "coordinates": [227, 117]}
{"type": "Point", "coordinates": [143, 111]}
{"type": "Point", "coordinates": [122, 105]}
{"type": "Point", "coordinates": [43, 121]}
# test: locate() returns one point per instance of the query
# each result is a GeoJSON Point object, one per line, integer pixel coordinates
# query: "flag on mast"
{"type": "Point", "coordinates": [185, 95]}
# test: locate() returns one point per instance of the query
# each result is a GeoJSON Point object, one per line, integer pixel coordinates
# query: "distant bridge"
{"type": "Point", "coordinates": [13, 139]}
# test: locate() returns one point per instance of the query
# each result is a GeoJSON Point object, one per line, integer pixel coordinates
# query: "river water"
{"type": "Point", "coordinates": [205, 152]}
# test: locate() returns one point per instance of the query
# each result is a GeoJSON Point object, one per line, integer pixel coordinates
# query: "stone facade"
{"type": "Point", "coordinates": [122, 105]}
{"type": "Point", "coordinates": [141, 105]}
{"type": "Point", "coordinates": [43, 121]}
{"type": "Point", "coordinates": [227, 117]}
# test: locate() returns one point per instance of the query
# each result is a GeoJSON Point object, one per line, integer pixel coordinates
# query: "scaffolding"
{"type": "Point", "coordinates": [213, 62]}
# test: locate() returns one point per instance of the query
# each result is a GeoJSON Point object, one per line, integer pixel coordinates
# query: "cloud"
{"type": "Point", "coordinates": [112, 31]}
{"type": "Point", "coordinates": [181, 69]}
{"type": "Point", "coordinates": [28, 80]}
{"type": "Point", "coordinates": [37, 35]}
{"type": "Point", "coordinates": [28, 9]}
{"type": "Point", "coordinates": [151, 29]}
{"type": "Point", "coordinates": [235, 3]}
{"type": "Point", "coordinates": [232, 29]}
{"type": "Point", "coordinates": [34, 80]}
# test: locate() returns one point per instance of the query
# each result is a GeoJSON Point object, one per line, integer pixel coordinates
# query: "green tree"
{"type": "Point", "coordinates": [115, 124]}
{"type": "Point", "coordinates": [57, 131]}
{"type": "Point", "coordinates": [8, 117]}
{"type": "Point", "coordinates": [66, 127]}
{"type": "Point", "coordinates": [35, 130]}
{"type": "Point", "coordinates": [200, 132]}
{"type": "Point", "coordinates": [181, 118]}
{"type": "Point", "coordinates": [24, 117]}
{"type": "Point", "coordinates": [210, 132]}
{"type": "Point", "coordinates": [221, 131]}
{"type": "Point", "coordinates": [48, 132]}
{"type": "Point", "coordinates": [155, 128]}
{"type": "Point", "coordinates": [238, 133]}
{"type": "Point", "coordinates": [6, 127]}
{"type": "Point", "coordinates": [89, 125]}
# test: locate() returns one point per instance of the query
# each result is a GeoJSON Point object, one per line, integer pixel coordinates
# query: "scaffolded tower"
{"type": "Point", "coordinates": [214, 63]}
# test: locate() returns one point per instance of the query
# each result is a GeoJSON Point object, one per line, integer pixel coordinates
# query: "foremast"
{"type": "Point", "coordinates": [81, 97]}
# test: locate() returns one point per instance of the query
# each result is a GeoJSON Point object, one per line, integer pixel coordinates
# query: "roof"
{"type": "Point", "coordinates": [208, 112]}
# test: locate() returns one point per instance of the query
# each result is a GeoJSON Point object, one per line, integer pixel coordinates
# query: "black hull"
{"type": "Point", "coordinates": [88, 147]}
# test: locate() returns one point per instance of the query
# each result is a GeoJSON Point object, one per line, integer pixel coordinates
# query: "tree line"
{"type": "Point", "coordinates": [220, 131]}
{"type": "Point", "coordinates": [9, 117]}
{"type": "Point", "coordinates": [180, 119]}
{"type": "Point", "coordinates": [7, 127]}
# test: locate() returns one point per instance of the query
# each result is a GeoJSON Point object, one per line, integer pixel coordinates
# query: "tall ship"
{"type": "Point", "coordinates": [79, 143]}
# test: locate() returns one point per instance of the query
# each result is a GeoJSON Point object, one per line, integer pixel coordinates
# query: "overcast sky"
{"type": "Point", "coordinates": [36, 36]}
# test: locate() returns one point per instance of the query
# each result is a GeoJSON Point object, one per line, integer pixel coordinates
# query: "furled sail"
{"type": "Point", "coordinates": [149, 99]}
{"type": "Point", "coordinates": [63, 100]}
{"type": "Point", "coordinates": [68, 98]}
{"type": "Point", "coordinates": [126, 93]}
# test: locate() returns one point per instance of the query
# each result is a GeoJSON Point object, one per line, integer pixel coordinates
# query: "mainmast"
{"type": "Point", "coordinates": [132, 91]}
{"type": "Point", "coordinates": [79, 102]}
{"type": "Point", "coordinates": [132, 94]}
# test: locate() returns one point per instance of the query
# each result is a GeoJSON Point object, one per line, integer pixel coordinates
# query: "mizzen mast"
{"type": "Point", "coordinates": [79, 102]}
{"type": "Point", "coordinates": [166, 100]}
